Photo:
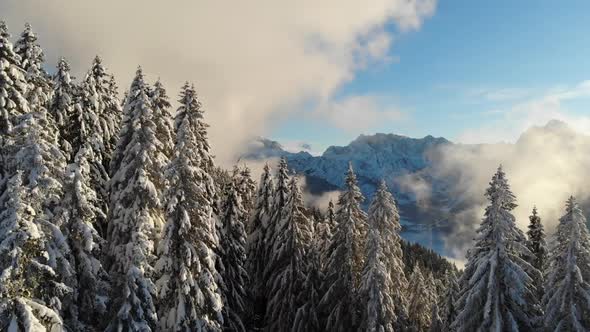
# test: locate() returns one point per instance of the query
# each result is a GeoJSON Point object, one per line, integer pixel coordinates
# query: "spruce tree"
{"type": "Point", "coordinates": [256, 245]}
{"type": "Point", "coordinates": [102, 91]}
{"type": "Point", "coordinates": [538, 247]}
{"type": "Point", "coordinates": [25, 275]}
{"type": "Point", "coordinates": [345, 264]}
{"type": "Point", "coordinates": [308, 316]}
{"type": "Point", "coordinates": [420, 298]}
{"type": "Point", "coordinates": [496, 288]}
{"type": "Point", "coordinates": [136, 216]}
{"type": "Point", "coordinates": [81, 209]}
{"type": "Point", "coordinates": [234, 278]}
{"type": "Point", "coordinates": [448, 310]}
{"type": "Point", "coordinates": [163, 118]}
{"type": "Point", "coordinates": [567, 288]}
{"type": "Point", "coordinates": [189, 296]}
{"type": "Point", "coordinates": [247, 188]}
{"type": "Point", "coordinates": [383, 280]}
{"type": "Point", "coordinates": [281, 194]}
{"type": "Point", "coordinates": [62, 102]}
{"type": "Point", "coordinates": [83, 131]}
{"type": "Point", "coordinates": [436, 323]}
{"type": "Point", "coordinates": [13, 86]}
{"type": "Point", "coordinates": [32, 58]}
{"type": "Point", "coordinates": [293, 240]}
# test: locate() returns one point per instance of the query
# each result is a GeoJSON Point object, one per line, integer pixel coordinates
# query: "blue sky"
{"type": "Point", "coordinates": [466, 70]}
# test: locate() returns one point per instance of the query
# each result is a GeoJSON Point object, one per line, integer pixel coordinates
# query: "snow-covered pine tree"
{"type": "Point", "coordinates": [256, 245]}
{"type": "Point", "coordinates": [293, 239]}
{"type": "Point", "coordinates": [345, 264]}
{"type": "Point", "coordinates": [537, 245]}
{"type": "Point", "coordinates": [136, 216]}
{"type": "Point", "coordinates": [420, 297]}
{"type": "Point", "coordinates": [497, 291]}
{"type": "Point", "coordinates": [32, 58]}
{"type": "Point", "coordinates": [81, 209]}
{"type": "Point", "coordinates": [436, 323]}
{"type": "Point", "coordinates": [24, 272]}
{"type": "Point", "coordinates": [34, 150]}
{"type": "Point", "coordinates": [308, 317]}
{"type": "Point", "coordinates": [83, 131]}
{"type": "Point", "coordinates": [163, 118]}
{"type": "Point", "coordinates": [448, 310]}
{"type": "Point", "coordinates": [281, 195]}
{"type": "Point", "coordinates": [189, 297]}
{"type": "Point", "coordinates": [383, 281]}
{"type": "Point", "coordinates": [13, 86]}
{"type": "Point", "coordinates": [63, 100]}
{"type": "Point", "coordinates": [247, 188]}
{"type": "Point", "coordinates": [567, 287]}
{"type": "Point", "coordinates": [106, 105]}
{"type": "Point", "coordinates": [234, 278]}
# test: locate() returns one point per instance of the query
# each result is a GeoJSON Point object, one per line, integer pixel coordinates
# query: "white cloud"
{"type": "Point", "coordinates": [535, 111]}
{"type": "Point", "coordinates": [250, 60]}
{"type": "Point", "coordinates": [357, 113]}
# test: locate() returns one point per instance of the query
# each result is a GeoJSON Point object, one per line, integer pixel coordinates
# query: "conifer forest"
{"type": "Point", "coordinates": [115, 216]}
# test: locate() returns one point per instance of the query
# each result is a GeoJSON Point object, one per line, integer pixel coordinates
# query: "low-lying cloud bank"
{"type": "Point", "coordinates": [544, 167]}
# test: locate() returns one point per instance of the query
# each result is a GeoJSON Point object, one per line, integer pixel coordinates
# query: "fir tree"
{"type": "Point", "coordinates": [13, 86]}
{"type": "Point", "coordinates": [293, 239]}
{"type": "Point", "coordinates": [24, 271]}
{"type": "Point", "coordinates": [63, 101]}
{"type": "Point", "coordinates": [234, 278]}
{"type": "Point", "coordinates": [189, 296]}
{"type": "Point", "coordinates": [420, 296]}
{"type": "Point", "coordinates": [162, 118]}
{"type": "Point", "coordinates": [102, 91]}
{"type": "Point", "coordinates": [383, 279]}
{"type": "Point", "coordinates": [246, 186]}
{"type": "Point", "coordinates": [436, 323]}
{"type": "Point", "coordinates": [256, 245]}
{"type": "Point", "coordinates": [136, 216]}
{"type": "Point", "coordinates": [567, 289]}
{"type": "Point", "coordinates": [538, 247]}
{"type": "Point", "coordinates": [496, 287]}
{"type": "Point", "coordinates": [81, 210]}
{"type": "Point", "coordinates": [345, 264]}
{"type": "Point", "coordinates": [448, 311]}
{"type": "Point", "coordinates": [308, 317]}
{"type": "Point", "coordinates": [32, 58]}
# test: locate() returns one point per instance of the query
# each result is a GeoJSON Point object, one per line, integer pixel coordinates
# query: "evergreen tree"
{"type": "Point", "coordinates": [281, 194]}
{"type": "Point", "coordinates": [13, 86]}
{"type": "Point", "coordinates": [420, 297]}
{"type": "Point", "coordinates": [448, 311]}
{"type": "Point", "coordinates": [25, 275]}
{"type": "Point", "coordinates": [293, 239]}
{"type": "Point", "coordinates": [567, 289]}
{"type": "Point", "coordinates": [256, 245]}
{"type": "Point", "coordinates": [234, 278]}
{"type": "Point", "coordinates": [308, 317]}
{"type": "Point", "coordinates": [162, 118]}
{"type": "Point", "coordinates": [83, 131]}
{"type": "Point", "coordinates": [247, 188]}
{"type": "Point", "coordinates": [383, 279]}
{"type": "Point", "coordinates": [102, 91]}
{"type": "Point", "coordinates": [136, 216]}
{"type": "Point", "coordinates": [436, 323]}
{"type": "Point", "coordinates": [496, 288]}
{"type": "Point", "coordinates": [537, 245]}
{"type": "Point", "coordinates": [189, 296]}
{"type": "Point", "coordinates": [63, 101]}
{"type": "Point", "coordinates": [345, 264]}
{"type": "Point", "coordinates": [32, 58]}
{"type": "Point", "coordinates": [81, 209]}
